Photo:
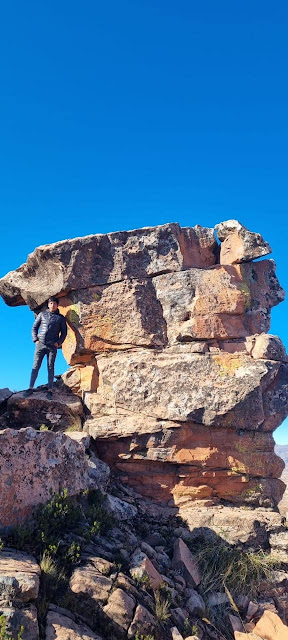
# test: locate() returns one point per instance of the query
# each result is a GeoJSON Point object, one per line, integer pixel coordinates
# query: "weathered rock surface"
{"type": "Point", "coordinates": [238, 244]}
{"type": "Point", "coordinates": [170, 354]}
{"type": "Point", "coordinates": [269, 627]}
{"type": "Point", "coordinates": [98, 259]}
{"type": "Point", "coordinates": [89, 581]}
{"type": "Point", "coordinates": [64, 411]}
{"type": "Point", "coordinates": [141, 567]}
{"type": "Point", "coordinates": [186, 563]}
{"type": "Point", "coordinates": [51, 461]}
{"type": "Point", "coordinates": [25, 618]}
{"type": "Point", "coordinates": [120, 608]}
{"type": "Point", "coordinates": [60, 627]}
{"type": "Point", "coordinates": [19, 577]}
{"type": "Point", "coordinates": [143, 622]}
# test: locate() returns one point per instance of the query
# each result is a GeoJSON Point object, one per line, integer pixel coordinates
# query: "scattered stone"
{"type": "Point", "coordinates": [251, 611]}
{"type": "Point", "coordinates": [269, 627]}
{"type": "Point", "coordinates": [178, 616]}
{"type": "Point", "coordinates": [142, 622]}
{"type": "Point", "coordinates": [61, 627]}
{"type": "Point", "coordinates": [80, 436]}
{"type": "Point", "coordinates": [186, 563]}
{"type": "Point", "coordinates": [141, 566]}
{"type": "Point", "coordinates": [119, 509]}
{"type": "Point", "coordinates": [146, 548]}
{"type": "Point", "coordinates": [217, 598]}
{"type": "Point", "coordinates": [89, 581]}
{"type": "Point", "coordinates": [236, 623]}
{"type": "Point", "coordinates": [120, 608]}
{"type": "Point", "coordinates": [176, 635]}
{"type": "Point", "coordinates": [99, 472]}
{"type": "Point", "coordinates": [195, 604]}
{"type": "Point", "coordinates": [279, 545]}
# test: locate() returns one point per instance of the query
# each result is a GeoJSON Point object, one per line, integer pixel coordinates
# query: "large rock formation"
{"type": "Point", "coordinates": [168, 348]}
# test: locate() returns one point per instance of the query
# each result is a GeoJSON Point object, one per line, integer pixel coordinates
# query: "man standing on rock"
{"type": "Point", "coordinates": [52, 329]}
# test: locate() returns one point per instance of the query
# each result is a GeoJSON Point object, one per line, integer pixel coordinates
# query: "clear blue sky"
{"type": "Point", "coordinates": [117, 115]}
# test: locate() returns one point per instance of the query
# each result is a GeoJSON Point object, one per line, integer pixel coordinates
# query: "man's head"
{"type": "Point", "coordinates": [53, 303]}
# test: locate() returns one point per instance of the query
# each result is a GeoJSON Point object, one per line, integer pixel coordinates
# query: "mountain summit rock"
{"type": "Point", "coordinates": [169, 350]}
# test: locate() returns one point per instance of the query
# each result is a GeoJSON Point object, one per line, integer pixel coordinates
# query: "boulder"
{"type": "Point", "coordinates": [120, 509]}
{"type": "Point", "coordinates": [120, 608]}
{"type": "Point", "coordinates": [88, 581]}
{"type": "Point", "coordinates": [269, 627]}
{"type": "Point", "coordinates": [64, 411]}
{"type": "Point", "coordinates": [142, 568]}
{"type": "Point", "coordinates": [238, 244]}
{"type": "Point", "coordinates": [51, 460]}
{"type": "Point", "coordinates": [195, 604]}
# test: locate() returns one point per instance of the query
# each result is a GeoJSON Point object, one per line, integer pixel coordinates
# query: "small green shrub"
{"type": "Point", "coordinates": [144, 582]}
{"type": "Point", "coordinates": [4, 635]}
{"type": "Point", "coordinates": [139, 636]}
{"type": "Point", "coordinates": [44, 427]}
{"type": "Point", "coordinates": [189, 629]}
{"type": "Point", "coordinates": [162, 607]}
{"type": "Point", "coordinates": [98, 517]}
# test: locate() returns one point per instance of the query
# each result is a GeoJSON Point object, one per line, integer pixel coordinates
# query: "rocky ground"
{"type": "Point", "coordinates": [138, 578]}
{"type": "Point", "coordinates": [123, 566]}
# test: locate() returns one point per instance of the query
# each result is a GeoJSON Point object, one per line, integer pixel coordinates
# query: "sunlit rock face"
{"type": "Point", "coordinates": [168, 348]}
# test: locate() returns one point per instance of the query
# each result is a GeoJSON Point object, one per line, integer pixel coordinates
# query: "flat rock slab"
{"type": "Point", "coordinates": [99, 259]}
{"type": "Point", "coordinates": [51, 460]}
{"type": "Point", "coordinates": [176, 385]}
{"type": "Point", "coordinates": [19, 577]}
{"type": "Point", "coordinates": [62, 412]}
{"type": "Point", "coordinates": [60, 627]}
{"type": "Point", "coordinates": [251, 527]}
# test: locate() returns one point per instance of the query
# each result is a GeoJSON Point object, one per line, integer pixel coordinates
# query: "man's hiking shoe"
{"type": "Point", "coordinates": [28, 393]}
{"type": "Point", "coordinates": [49, 395]}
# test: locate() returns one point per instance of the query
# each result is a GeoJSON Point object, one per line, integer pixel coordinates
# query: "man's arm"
{"type": "Point", "coordinates": [35, 328]}
{"type": "Point", "coordinates": [63, 332]}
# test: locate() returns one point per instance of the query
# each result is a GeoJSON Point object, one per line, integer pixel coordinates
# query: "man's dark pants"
{"type": "Point", "coordinates": [41, 351]}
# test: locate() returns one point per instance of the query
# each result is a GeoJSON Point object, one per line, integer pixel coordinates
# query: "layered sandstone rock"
{"type": "Point", "coordinates": [168, 347]}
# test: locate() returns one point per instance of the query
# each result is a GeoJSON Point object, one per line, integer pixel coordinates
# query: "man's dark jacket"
{"type": "Point", "coordinates": [52, 328]}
